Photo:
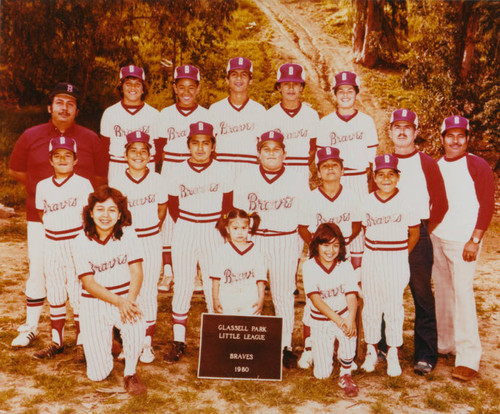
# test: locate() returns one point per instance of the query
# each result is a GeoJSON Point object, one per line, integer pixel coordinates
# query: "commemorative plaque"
{"type": "Point", "coordinates": [240, 347]}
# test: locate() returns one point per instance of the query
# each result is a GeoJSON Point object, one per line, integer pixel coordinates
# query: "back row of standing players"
{"type": "Point", "coordinates": [273, 191]}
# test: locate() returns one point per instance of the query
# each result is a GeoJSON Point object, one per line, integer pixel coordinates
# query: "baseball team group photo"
{"type": "Point", "coordinates": [335, 235]}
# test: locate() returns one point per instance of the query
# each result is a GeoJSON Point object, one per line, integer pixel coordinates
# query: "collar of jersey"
{"type": "Point", "coordinates": [62, 182]}
{"type": "Point", "coordinates": [332, 199]}
{"type": "Point", "coordinates": [129, 107]}
{"type": "Point", "coordinates": [140, 180]}
{"type": "Point", "coordinates": [275, 174]}
{"type": "Point", "coordinates": [67, 133]}
{"type": "Point", "coordinates": [346, 118]}
{"type": "Point", "coordinates": [103, 242]}
{"type": "Point", "coordinates": [186, 111]}
{"type": "Point", "coordinates": [199, 167]}
{"type": "Point", "coordinates": [235, 107]}
{"type": "Point", "coordinates": [411, 154]}
{"type": "Point", "coordinates": [291, 112]}
{"type": "Point", "coordinates": [390, 198]}
{"type": "Point", "coordinates": [323, 267]}
{"type": "Point", "coordinates": [241, 252]}
{"type": "Point", "coordinates": [455, 158]}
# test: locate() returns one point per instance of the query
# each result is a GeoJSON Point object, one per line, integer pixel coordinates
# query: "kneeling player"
{"type": "Point", "coordinates": [330, 283]}
{"type": "Point", "coordinates": [109, 266]}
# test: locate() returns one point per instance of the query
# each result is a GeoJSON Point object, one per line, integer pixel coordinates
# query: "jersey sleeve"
{"type": "Point", "coordinates": [438, 202]}
{"type": "Point", "coordinates": [217, 268]}
{"type": "Point", "coordinates": [82, 264]}
{"type": "Point", "coordinates": [356, 203]}
{"type": "Point", "coordinates": [39, 196]}
{"type": "Point", "coordinates": [161, 190]}
{"type": "Point", "coordinates": [484, 184]}
{"type": "Point", "coordinates": [371, 139]}
{"type": "Point", "coordinates": [260, 267]}
{"type": "Point", "coordinates": [106, 127]}
{"type": "Point", "coordinates": [351, 281]}
{"type": "Point", "coordinates": [310, 285]}
{"type": "Point", "coordinates": [170, 181]}
{"type": "Point", "coordinates": [135, 252]}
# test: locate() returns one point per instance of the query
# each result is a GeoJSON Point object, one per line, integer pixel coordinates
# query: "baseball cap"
{"type": "Point", "coordinates": [271, 136]}
{"type": "Point", "coordinates": [64, 88]}
{"type": "Point", "coordinates": [240, 63]}
{"type": "Point", "coordinates": [386, 161]}
{"type": "Point", "coordinates": [187, 72]}
{"type": "Point", "coordinates": [132, 71]}
{"type": "Point", "coordinates": [346, 78]}
{"type": "Point", "coordinates": [291, 72]}
{"type": "Point", "coordinates": [137, 136]}
{"type": "Point", "coordinates": [62, 143]}
{"type": "Point", "coordinates": [455, 121]}
{"type": "Point", "coordinates": [404, 115]}
{"type": "Point", "coordinates": [327, 153]}
{"type": "Point", "coordinates": [201, 128]}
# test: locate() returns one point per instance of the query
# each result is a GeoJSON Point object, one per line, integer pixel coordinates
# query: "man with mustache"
{"type": "Point", "coordinates": [422, 183]}
{"type": "Point", "coordinates": [29, 164]}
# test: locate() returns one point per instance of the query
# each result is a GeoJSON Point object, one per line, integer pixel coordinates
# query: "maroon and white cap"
{"type": "Point", "coordinates": [187, 72]}
{"type": "Point", "coordinates": [240, 63]}
{"type": "Point", "coordinates": [271, 136]}
{"type": "Point", "coordinates": [346, 78]}
{"type": "Point", "coordinates": [132, 71]}
{"type": "Point", "coordinates": [62, 143]}
{"type": "Point", "coordinates": [327, 153]}
{"type": "Point", "coordinates": [404, 115]}
{"type": "Point", "coordinates": [291, 72]}
{"type": "Point", "coordinates": [455, 121]}
{"type": "Point", "coordinates": [138, 136]}
{"type": "Point", "coordinates": [386, 161]}
{"type": "Point", "coordinates": [64, 88]}
{"type": "Point", "coordinates": [201, 128]}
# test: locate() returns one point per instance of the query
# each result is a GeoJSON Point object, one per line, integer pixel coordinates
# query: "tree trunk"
{"type": "Point", "coordinates": [469, 43]}
{"type": "Point", "coordinates": [358, 28]}
{"type": "Point", "coordinates": [373, 26]}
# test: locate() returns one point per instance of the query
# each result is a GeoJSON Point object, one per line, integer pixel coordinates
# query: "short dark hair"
{"type": "Point", "coordinates": [100, 196]}
{"type": "Point", "coordinates": [325, 233]}
{"type": "Point", "coordinates": [145, 88]}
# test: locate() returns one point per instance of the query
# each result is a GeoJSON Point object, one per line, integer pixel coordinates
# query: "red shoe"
{"type": "Point", "coordinates": [347, 384]}
{"type": "Point", "coordinates": [134, 386]}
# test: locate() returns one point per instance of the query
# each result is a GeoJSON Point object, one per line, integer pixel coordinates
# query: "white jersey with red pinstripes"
{"type": "Point", "coordinates": [274, 196]}
{"type": "Point", "coordinates": [173, 127]}
{"type": "Point", "coordinates": [342, 209]}
{"type": "Point", "coordinates": [143, 197]}
{"type": "Point", "coordinates": [62, 204]}
{"type": "Point", "coordinates": [108, 260]}
{"type": "Point", "coordinates": [298, 127]}
{"type": "Point", "coordinates": [117, 121]}
{"type": "Point", "coordinates": [237, 130]}
{"type": "Point", "coordinates": [332, 285]}
{"type": "Point", "coordinates": [200, 189]}
{"type": "Point", "coordinates": [356, 139]}
{"type": "Point", "coordinates": [386, 222]}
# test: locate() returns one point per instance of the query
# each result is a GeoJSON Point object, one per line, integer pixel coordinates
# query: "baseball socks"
{"type": "Point", "coordinates": [306, 359]}
{"type": "Point", "coordinates": [29, 330]}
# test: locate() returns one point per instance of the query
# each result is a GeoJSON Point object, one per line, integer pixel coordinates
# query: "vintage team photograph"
{"type": "Point", "coordinates": [249, 206]}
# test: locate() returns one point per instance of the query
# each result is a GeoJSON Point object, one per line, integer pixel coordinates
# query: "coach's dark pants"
{"type": "Point", "coordinates": [425, 336]}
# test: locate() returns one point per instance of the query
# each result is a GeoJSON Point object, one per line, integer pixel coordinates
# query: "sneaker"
{"type": "Point", "coordinates": [289, 358]}
{"type": "Point", "coordinates": [133, 385]}
{"type": "Point", "coordinates": [79, 357]}
{"type": "Point", "coordinates": [393, 367]}
{"type": "Point", "coordinates": [147, 355]}
{"type": "Point", "coordinates": [306, 359]}
{"type": "Point", "coordinates": [370, 361]}
{"type": "Point", "coordinates": [25, 337]}
{"type": "Point", "coordinates": [422, 368]}
{"type": "Point", "coordinates": [463, 373]}
{"type": "Point", "coordinates": [347, 384]}
{"type": "Point", "coordinates": [175, 353]}
{"type": "Point", "coordinates": [50, 352]}
{"type": "Point", "coordinates": [166, 281]}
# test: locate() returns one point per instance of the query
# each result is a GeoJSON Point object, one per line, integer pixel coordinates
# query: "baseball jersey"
{"type": "Point", "coordinates": [386, 222]}
{"type": "Point", "coordinates": [199, 189]}
{"type": "Point", "coordinates": [62, 202]}
{"type": "Point", "coordinates": [332, 285]}
{"type": "Point", "coordinates": [118, 120]}
{"type": "Point", "coordinates": [238, 271]}
{"type": "Point", "coordinates": [355, 137]}
{"type": "Point", "coordinates": [274, 196]}
{"type": "Point", "coordinates": [470, 189]}
{"type": "Point", "coordinates": [421, 182]}
{"type": "Point", "coordinates": [237, 130]}
{"type": "Point", "coordinates": [342, 209]}
{"type": "Point", "coordinates": [31, 155]}
{"type": "Point", "coordinates": [143, 197]}
{"type": "Point", "coordinates": [298, 127]}
{"type": "Point", "coordinates": [173, 130]}
{"type": "Point", "coordinates": [108, 260]}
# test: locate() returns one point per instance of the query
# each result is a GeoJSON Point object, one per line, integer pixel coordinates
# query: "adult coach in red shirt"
{"type": "Point", "coordinates": [29, 164]}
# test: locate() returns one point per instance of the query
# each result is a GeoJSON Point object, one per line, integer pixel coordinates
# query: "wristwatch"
{"type": "Point", "coordinates": [475, 240]}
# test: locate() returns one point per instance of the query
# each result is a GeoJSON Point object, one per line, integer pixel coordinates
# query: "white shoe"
{"type": "Point", "coordinates": [25, 337]}
{"type": "Point", "coordinates": [370, 361]}
{"type": "Point", "coordinates": [165, 284]}
{"type": "Point", "coordinates": [147, 355]}
{"type": "Point", "coordinates": [393, 367]}
{"type": "Point", "coordinates": [306, 359]}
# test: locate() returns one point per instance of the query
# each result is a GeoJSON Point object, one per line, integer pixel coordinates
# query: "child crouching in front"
{"type": "Point", "coordinates": [331, 285]}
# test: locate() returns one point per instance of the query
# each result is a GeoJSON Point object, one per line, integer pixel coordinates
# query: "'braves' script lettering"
{"type": "Point", "coordinates": [102, 267]}
{"type": "Point", "coordinates": [337, 219]}
{"type": "Point", "coordinates": [61, 205]}
{"type": "Point", "coordinates": [337, 139]}
{"type": "Point", "coordinates": [232, 278]}
{"type": "Point", "coordinates": [374, 221]}
{"type": "Point", "coordinates": [231, 129]}
{"type": "Point", "coordinates": [120, 132]}
{"type": "Point", "coordinates": [330, 293]}
{"type": "Point", "coordinates": [264, 205]}
{"type": "Point", "coordinates": [149, 199]}
{"type": "Point", "coordinates": [172, 133]}
{"type": "Point", "coordinates": [187, 192]}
